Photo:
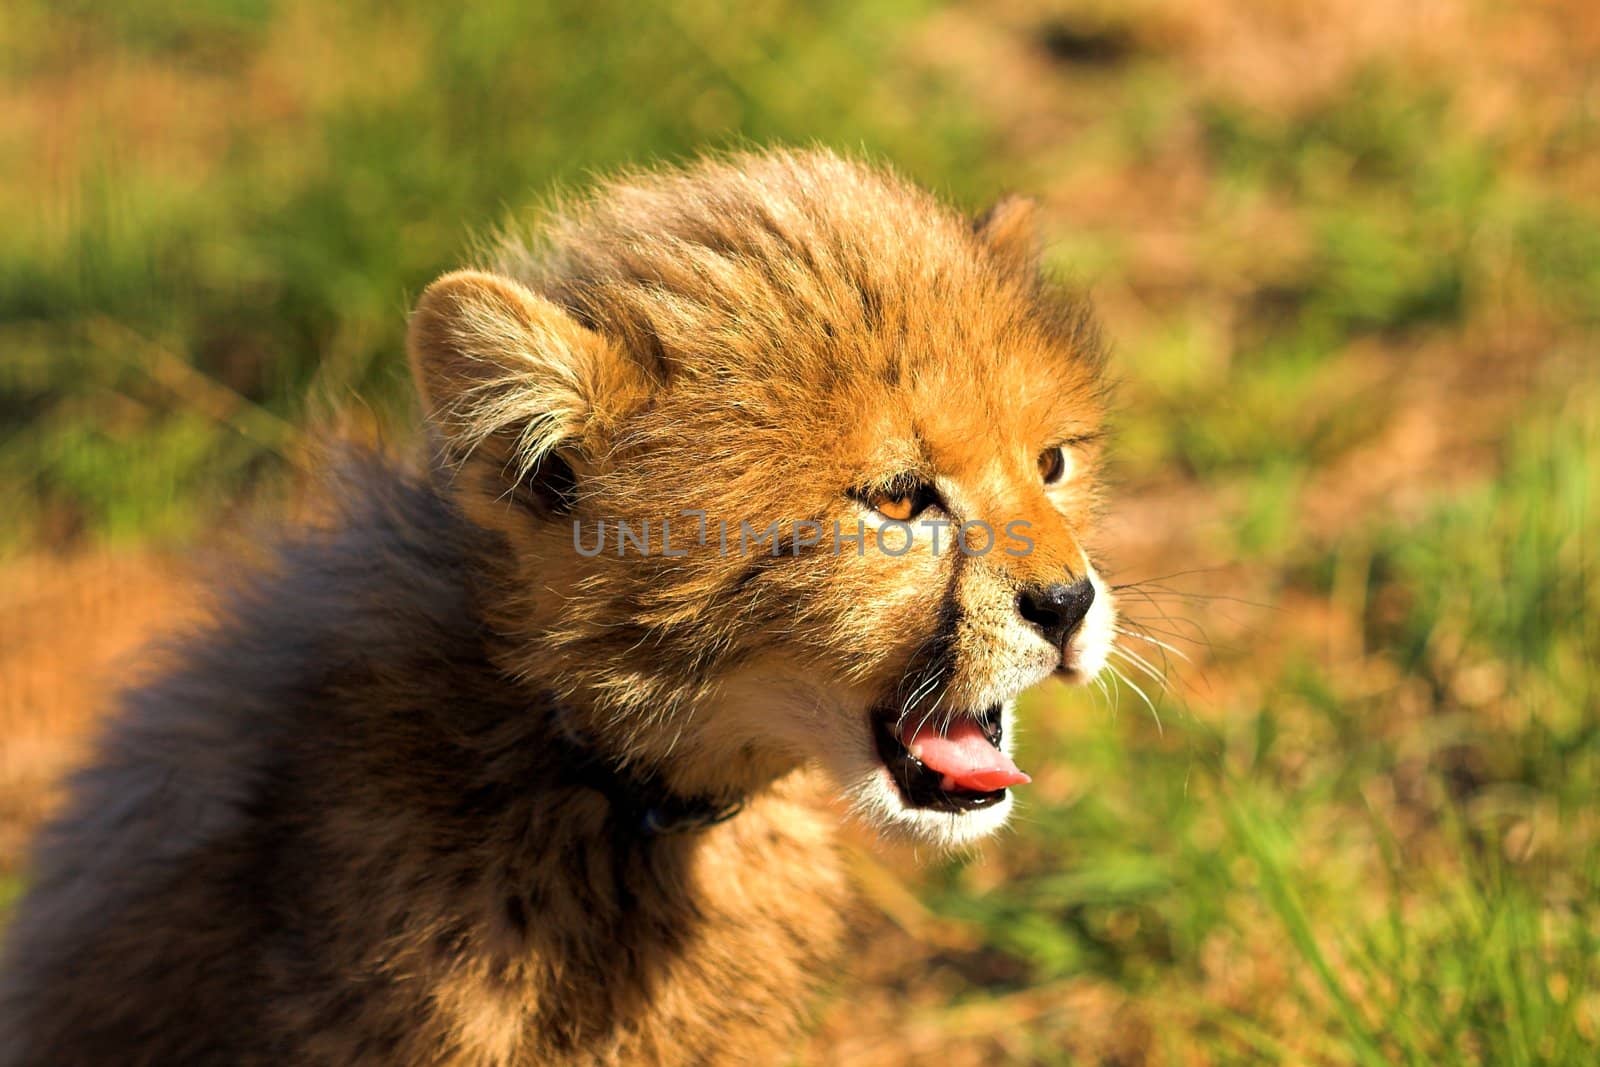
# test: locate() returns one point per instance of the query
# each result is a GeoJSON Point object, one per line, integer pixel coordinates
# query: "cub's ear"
{"type": "Point", "coordinates": [1010, 229]}
{"type": "Point", "coordinates": [493, 361]}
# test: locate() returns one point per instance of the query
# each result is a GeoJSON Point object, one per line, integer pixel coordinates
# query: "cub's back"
{"type": "Point", "coordinates": [166, 900]}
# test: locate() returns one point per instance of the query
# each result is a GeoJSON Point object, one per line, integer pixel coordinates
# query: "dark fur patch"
{"type": "Point", "coordinates": [553, 485]}
{"type": "Point", "coordinates": [333, 794]}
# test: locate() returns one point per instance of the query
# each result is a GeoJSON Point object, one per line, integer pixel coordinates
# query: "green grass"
{"type": "Point", "coordinates": [275, 254]}
{"type": "Point", "coordinates": [1403, 224]}
{"type": "Point", "coordinates": [1472, 940]}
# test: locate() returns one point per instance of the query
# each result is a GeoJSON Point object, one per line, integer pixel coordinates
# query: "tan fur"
{"type": "Point", "coordinates": [348, 827]}
{"type": "Point", "coordinates": [780, 328]}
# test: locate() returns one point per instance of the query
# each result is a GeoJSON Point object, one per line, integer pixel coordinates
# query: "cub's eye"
{"type": "Point", "coordinates": [899, 508]}
{"type": "Point", "coordinates": [901, 499]}
{"type": "Point", "coordinates": [1052, 464]}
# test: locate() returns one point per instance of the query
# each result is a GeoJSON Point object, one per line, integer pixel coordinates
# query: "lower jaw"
{"type": "Point", "coordinates": [919, 786]}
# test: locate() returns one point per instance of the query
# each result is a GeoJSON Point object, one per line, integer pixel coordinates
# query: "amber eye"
{"type": "Point", "coordinates": [900, 499]}
{"type": "Point", "coordinates": [1052, 464]}
{"type": "Point", "coordinates": [899, 509]}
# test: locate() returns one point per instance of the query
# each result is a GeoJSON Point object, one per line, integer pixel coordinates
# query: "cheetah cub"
{"type": "Point", "coordinates": [775, 463]}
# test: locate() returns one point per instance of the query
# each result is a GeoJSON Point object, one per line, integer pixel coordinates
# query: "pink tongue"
{"type": "Point", "coordinates": [964, 756]}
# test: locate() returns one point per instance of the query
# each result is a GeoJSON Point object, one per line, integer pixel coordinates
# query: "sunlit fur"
{"type": "Point", "coordinates": [753, 339]}
{"type": "Point", "coordinates": [346, 824]}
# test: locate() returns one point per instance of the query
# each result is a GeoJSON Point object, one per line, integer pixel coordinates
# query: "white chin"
{"type": "Point", "coordinates": [876, 800]}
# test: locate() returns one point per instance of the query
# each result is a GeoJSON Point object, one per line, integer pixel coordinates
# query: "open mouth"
{"type": "Point", "coordinates": [955, 766]}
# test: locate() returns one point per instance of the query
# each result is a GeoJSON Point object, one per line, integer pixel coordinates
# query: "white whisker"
{"type": "Point", "coordinates": [1157, 642]}
{"type": "Point", "coordinates": [1142, 695]}
{"type": "Point", "coordinates": [1130, 656]}
{"type": "Point", "coordinates": [913, 698]}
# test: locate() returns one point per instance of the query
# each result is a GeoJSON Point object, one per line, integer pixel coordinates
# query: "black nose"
{"type": "Point", "coordinates": [1056, 609]}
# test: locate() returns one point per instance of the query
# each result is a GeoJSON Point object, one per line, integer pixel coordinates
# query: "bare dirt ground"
{"type": "Point", "coordinates": [70, 629]}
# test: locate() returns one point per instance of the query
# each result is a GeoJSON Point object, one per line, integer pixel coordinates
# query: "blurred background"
{"type": "Point", "coordinates": [1348, 255]}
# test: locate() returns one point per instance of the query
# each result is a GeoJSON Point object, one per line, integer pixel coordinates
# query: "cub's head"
{"type": "Point", "coordinates": [793, 464]}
